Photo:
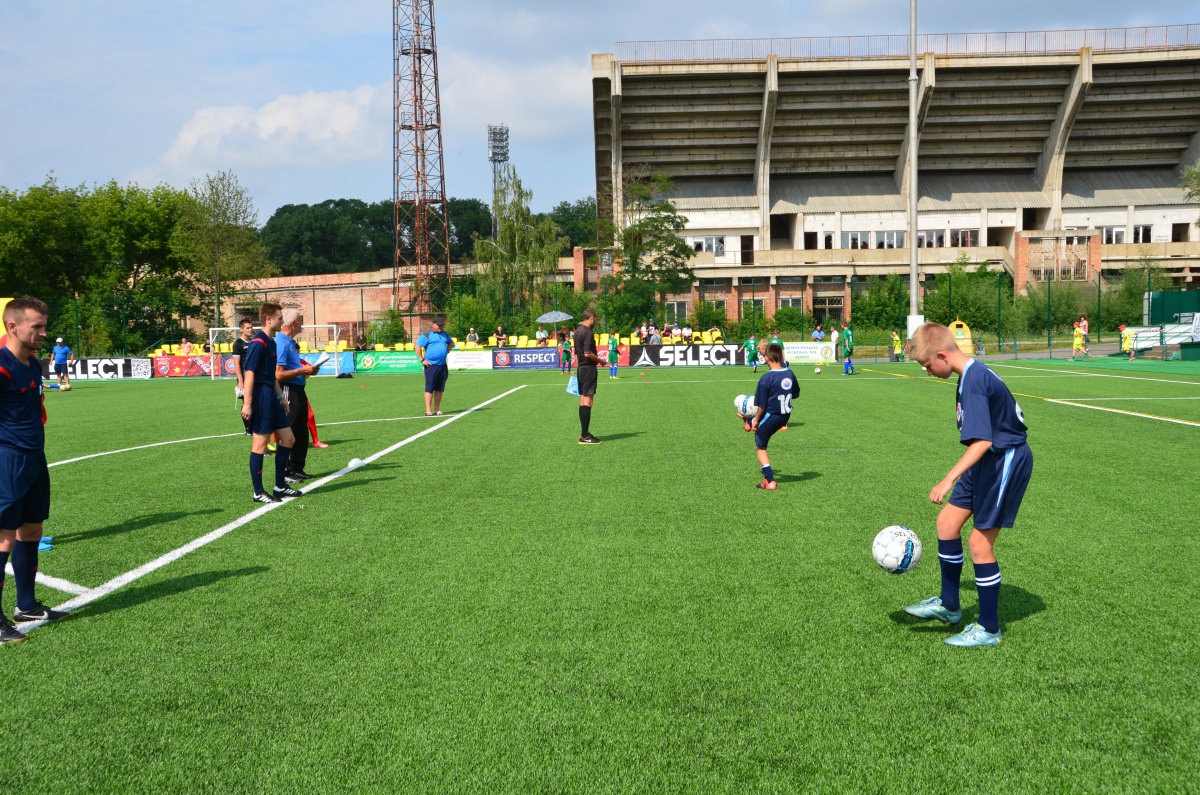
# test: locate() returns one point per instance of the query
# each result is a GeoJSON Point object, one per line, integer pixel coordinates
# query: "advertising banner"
{"type": "Point", "coordinates": [469, 360]}
{"type": "Point", "coordinates": [685, 355]}
{"type": "Point", "coordinates": [808, 352]}
{"type": "Point", "coordinates": [200, 365]}
{"type": "Point", "coordinates": [102, 369]}
{"type": "Point", "coordinates": [338, 362]}
{"type": "Point", "coordinates": [525, 359]}
{"type": "Point", "coordinates": [383, 362]}
{"type": "Point", "coordinates": [622, 355]}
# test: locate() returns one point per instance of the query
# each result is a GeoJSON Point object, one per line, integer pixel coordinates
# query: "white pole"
{"type": "Point", "coordinates": [914, 276]}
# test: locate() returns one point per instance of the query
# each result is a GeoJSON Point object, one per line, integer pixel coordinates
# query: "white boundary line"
{"type": "Point", "coordinates": [1121, 411]}
{"type": "Point", "coordinates": [218, 436]}
{"type": "Point", "coordinates": [1094, 375]}
{"type": "Point", "coordinates": [122, 580]}
{"type": "Point", "coordinates": [58, 584]}
{"type": "Point", "coordinates": [1098, 399]}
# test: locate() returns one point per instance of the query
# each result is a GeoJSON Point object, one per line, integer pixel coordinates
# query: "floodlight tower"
{"type": "Point", "coordinates": [498, 156]}
{"type": "Point", "coordinates": [422, 230]}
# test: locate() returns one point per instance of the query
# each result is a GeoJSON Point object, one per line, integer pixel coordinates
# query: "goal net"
{"type": "Point", "coordinates": [316, 339]}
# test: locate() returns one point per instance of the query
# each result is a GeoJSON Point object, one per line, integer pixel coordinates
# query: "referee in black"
{"type": "Point", "coordinates": [589, 361]}
{"type": "Point", "coordinates": [239, 357]}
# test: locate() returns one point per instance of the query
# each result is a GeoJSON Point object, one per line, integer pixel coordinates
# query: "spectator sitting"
{"type": "Point", "coordinates": [472, 336]}
{"type": "Point", "coordinates": [541, 337]}
{"type": "Point", "coordinates": [655, 338]}
{"type": "Point", "coordinates": [676, 332]}
{"type": "Point", "coordinates": [360, 344]}
{"type": "Point", "coordinates": [207, 346]}
{"type": "Point", "coordinates": [643, 333]}
{"type": "Point", "coordinates": [185, 348]}
{"type": "Point", "coordinates": [687, 333]}
{"type": "Point", "coordinates": [501, 337]}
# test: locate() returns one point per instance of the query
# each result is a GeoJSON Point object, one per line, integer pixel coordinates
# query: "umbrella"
{"type": "Point", "coordinates": [554, 317]}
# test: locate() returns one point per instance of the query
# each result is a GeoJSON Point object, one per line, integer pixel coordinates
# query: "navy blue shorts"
{"type": "Point", "coordinates": [266, 412]}
{"type": "Point", "coordinates": [766, 429]}
{"type": "Point", "coordinates": [60, 369]}
{"type": "Point", "coordinates": [24, 488]}
{"type": "Point", "coordinates": [435, 377]}
{"type": "Point", "coordinates": [994, 487]}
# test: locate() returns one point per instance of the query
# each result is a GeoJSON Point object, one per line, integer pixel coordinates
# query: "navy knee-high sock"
{"type": "Point", "coordinates": [282, 454]}
{"type": "Point", "coordinates": [3, 563]}
{"type": "Point", "coordinates": [256, 468]}
{"type": "Point", "coordinates": [987, 583]}
{"type": "Point", "coordinates": [768, 472]}
{"type": "Point", "coordinates": [25, 565]}
{"type": "Point", "coordinates": [950, 556]}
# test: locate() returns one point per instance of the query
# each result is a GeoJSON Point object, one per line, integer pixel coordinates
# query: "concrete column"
{"type": "Point", "coordinates": [1129, 224]}
{"type": "Point", "coordinates": [798, 231]}
{"type": "Point", "coordinates": [837, 229]}
{"type": "Point", "coordinates": [577, 269]}
{"type": "Point", "coordinates": [762, 157]}
{"type": "Point", "coordinates": [1191, 155]}
{"type": "Point", "coordinates": [983, 225]}
{"type": "Point", "coordinates": [924, 97]}
{"type": "Point", "coordinates": [618, 187]}
{"type": "Point", "coordinates": [1050, 164]}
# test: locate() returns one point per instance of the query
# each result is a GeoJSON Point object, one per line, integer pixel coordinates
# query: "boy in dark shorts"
{"type": "Point", "coordinates": [265, 407]}
{"type": "Point", "coordinates": [24, 476]}
{"type": "Point", "coordinates": [773, 399]}
{"type": "Point", "coordinates": [991, 476]}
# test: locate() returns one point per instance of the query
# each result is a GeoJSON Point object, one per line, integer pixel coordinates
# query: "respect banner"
{"type": "Point", "coordinates": [469, 360]}
{"type": "Point", "coordinates": [193, 366]}
{"type": "Point", "coordinates": [685, 355]}
{"type": "Point", "coordinates": [383, 362]}
{"type": "Point", "coordinates": [102, 369]}
{"type": "Point", "coordinates": [525, 359]}
{"type": "Point", "coordinates": [338, 362]}
{"type": "Point", "coordinates": [809, 352]}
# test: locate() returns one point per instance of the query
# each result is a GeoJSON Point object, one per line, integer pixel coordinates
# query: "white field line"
{"type": "Point", "coordinates": [1120, 411]}
{"type": "Point", "coordinates": [1096, 375]}
{"type": "Point", "coordinates": [1098, 399]}
{"type": "Point", "coordinates": [122, 580]}
{"type": "Point", "coordinates": [58, 584]}
{"type": "Point", "coordinates": [218, 436]}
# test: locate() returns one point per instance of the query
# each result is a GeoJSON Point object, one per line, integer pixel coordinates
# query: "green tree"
{"type": "Point", "coordinates": [884, 304]}
{"type": "Point", "coordinates": [217, 236]}
{"type": "Point", "coordinates": [43, 235]}
{"type": "Point", "coordinates": [1191, 183]}
{"type": "Point", "coordinates": [466, 313]}
{"type": "Point", "coordinates": [577, 221]}
{"type": "Point", "coordinates": [469, 218]}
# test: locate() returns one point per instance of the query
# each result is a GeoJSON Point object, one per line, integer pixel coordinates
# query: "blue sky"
{"type": "Point", "coordinates": [296, 96]}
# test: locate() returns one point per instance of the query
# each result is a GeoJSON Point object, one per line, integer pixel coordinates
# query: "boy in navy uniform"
{"type": "Point", "coordinates": [265, 407]}
{"type": "Point", "coordinates": [773, 398]}
{"type": "Point", "coordinates": [24, 476]}
{"type": "Point", "coordinates": [991, 479]}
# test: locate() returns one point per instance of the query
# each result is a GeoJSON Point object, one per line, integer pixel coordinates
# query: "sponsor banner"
{"type": "Point", "coordinates": [525, 359]}
{"type": "Point", "coordinates": [622, 355]}
{"type": "Point", "coordinates": [338, 362]}
{"type": "Point", "coordinates": [809, 352]}
{"type": "Point", "coordinates": [199, 365]}
{"type": "Point", "coordinates": [376, 362]}
{"type": "Point", "coordinates": [102, 369]}
{"type": "Point", "coordinates": [469, 360]}
{"type": "Point", "coordinates": [685, 355]}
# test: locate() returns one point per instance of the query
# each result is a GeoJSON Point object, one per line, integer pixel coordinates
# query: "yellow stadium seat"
{"type": "Point", "coordinates": [623, 341]}
{"type": "Point", "coordinates": [379, 347]}
{"type": "Point", "coordinates": [492, 341]}
{"type": "Point", "coordinates": [341, 346]}
{"type": "Point", "coordinates": [329, 348]}
{"type": "Point", "coordinates": [706, 338]}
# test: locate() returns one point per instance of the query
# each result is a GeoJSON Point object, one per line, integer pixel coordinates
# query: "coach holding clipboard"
{"type": "Point", "coordinates": [432, 347]}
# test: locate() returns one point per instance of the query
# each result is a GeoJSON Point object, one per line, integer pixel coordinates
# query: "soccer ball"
{"type": "Point", "coordinates": [65, 388]}
{"type": "Point", "coordinates": [897, 549]}
{"type": "Point", "coordinates": [745, 405]}
{"type": "Point", "coordinates": [817, 370]}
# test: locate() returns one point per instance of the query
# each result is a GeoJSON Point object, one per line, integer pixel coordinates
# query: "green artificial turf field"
{"type": "Point", "coordinates": [495, 608]}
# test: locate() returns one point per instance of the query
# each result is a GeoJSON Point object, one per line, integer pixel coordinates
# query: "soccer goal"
{"type": "Point", "coordinates": [319, 338]}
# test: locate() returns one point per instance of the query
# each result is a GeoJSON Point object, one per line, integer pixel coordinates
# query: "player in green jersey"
{"type": "Point", "coordinates": [613, 354]}
{"type": "Point", "coordinates": [847, 349]}
{"type": "Point", "coordinates": [751, 348]}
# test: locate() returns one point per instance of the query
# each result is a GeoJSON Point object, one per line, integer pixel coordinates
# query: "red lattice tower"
{"type": "Point", "coordinates": [422, 230]}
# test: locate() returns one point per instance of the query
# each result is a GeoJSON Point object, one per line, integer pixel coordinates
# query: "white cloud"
{"type": "Point", "coordinates": [314, 129]}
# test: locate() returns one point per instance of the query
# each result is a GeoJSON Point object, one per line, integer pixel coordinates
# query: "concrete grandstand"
{"type": "Point", "coordinates": [1051, 155]}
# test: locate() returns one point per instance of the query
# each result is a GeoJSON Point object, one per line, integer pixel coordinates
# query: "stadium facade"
{"type": "Point", "coordinates": [1049, 155]}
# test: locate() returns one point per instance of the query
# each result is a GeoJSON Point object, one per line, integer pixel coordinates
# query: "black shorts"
{"type": "Point", "coordinates": [60, 369]}
{"type": "Point", "coordinates": [586, 374]}
{"type": "Point", "coordinates": [435, 377]}
{"type": "Point", "coordinates": [266, 412]}
{"type": "Point", "coordinates": [24, 488]}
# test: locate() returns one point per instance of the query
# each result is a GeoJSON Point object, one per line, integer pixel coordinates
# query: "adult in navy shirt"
{"type": "Point", "coordinates": [62, 356]}
{"type": "Point", "coordinates": [773, 399]}
{"type": "Point", "coordinates": [265, 406]}
{"type": "Point", "coordinates": [24, 476]}
{"type": "Point", "coordinates": [432, 347]}
{"type": "Point", "coordinates": [292, 373]}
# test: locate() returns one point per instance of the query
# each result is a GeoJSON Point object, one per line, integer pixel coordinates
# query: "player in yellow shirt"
{"type": "Point", "coordinates": [1127, 341]}
{"type": "Point", "coordinates": [1077, 344]}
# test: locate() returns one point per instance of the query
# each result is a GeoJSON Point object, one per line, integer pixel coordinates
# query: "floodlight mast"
{"type": "Point", "coordinates": [914, 276]}
{"type": "Point", "coordinates": [498, 156]}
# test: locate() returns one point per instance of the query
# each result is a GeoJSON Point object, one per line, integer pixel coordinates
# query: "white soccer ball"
{"type": "Point", "coordinates": [896, 549]}
{"type": "Point", "coordinates": [817, 370]}
{"type": "Point", "coordinates": [65, 388]}
{"type": "Point", "coordinates": [355, 463]}
{"type": "Point", "coordinates": [745, 405]}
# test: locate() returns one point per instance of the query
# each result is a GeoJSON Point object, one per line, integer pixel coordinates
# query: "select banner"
{"type": "Point", "coordinates": [809, 352]}
{"type": "Point", "coordinates": [381, 362]}
{"type": "Point", "coordinates": [685, 355]}
{"type": "Point", "coordinates": [469, 360]}
{"type": "Point", "coordinates": [190, 366]}
{"type": "Point", "coordinates": [525, 359]}
{"type": "Point", "coordinates": [338, 362]}
{"type": "Point", "coordinates": [102, 369]}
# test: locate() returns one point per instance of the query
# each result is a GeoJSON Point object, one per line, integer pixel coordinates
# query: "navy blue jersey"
{"type": "Point", "coordinates": [21, 403]}
{"type": "Point", "coordinates": [775, 392]}
{"type": "Point", "coordinates": [260, 360]}
{"type": "Point", "coordinates": [987, 410]}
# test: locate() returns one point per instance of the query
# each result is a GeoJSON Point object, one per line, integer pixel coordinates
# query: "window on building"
{"type": "Point", "coordinates": [931, 239]}
{"type": "Point", "coordinates": [753, 281]}
{"type": "Point", "coordinates": [1141, 234]}
{"type": "Point", "coordinates": [752, 308]}
{"type": "Point", "coordinates": [720, 305]}
{"type": "Point", "coordinates": [964, 238]}
{"type": "Point", "coordinates": [789, 280]}
{"type": "Point", "coordinates": [1113, 235]}
{"type": "Point", "coordinates": [676, 311]}
{"type": "Point", "coordinates": [889, 240]}
{"type": "Point", "coordinates": [827, 308]}
{"type": "Point", "coordinates": [795, 301]}
{"type": "Point", "coordinates": [856, 239]}
{"type": "Point", "coordinates": [714, 244]}
{"type": "Point", "coordinates": [828, 279]}
{"type": "Point", "coordinates": [828, 240]}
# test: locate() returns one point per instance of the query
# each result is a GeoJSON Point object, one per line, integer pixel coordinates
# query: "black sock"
{"type": "Point", "coordinates": [25, 566]}
{"type": "Point", "coordinates": [585, 419]}
{"type": "Point", "coordinates": [281, 466]}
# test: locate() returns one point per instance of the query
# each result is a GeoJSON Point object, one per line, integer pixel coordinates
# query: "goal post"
{"type": "Point", "coordinates": [315, 338]}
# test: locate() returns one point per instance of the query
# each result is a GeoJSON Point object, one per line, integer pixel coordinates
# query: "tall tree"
{"type": "Point", "coordinates": [218, 236]}
{"type": "Point", "coordinates": [42, 240]}
{"type": "Point", "coordinates": [468, 218]}
{"type": "Point", "coordinates": [577, 221]}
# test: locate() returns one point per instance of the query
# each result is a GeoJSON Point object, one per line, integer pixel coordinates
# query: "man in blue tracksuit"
{"type": "Point", "coordinates": [432, 348]}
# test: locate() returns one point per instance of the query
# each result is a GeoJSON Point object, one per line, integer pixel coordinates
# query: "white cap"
{"type": "Point", "coordinates": [59, 339]}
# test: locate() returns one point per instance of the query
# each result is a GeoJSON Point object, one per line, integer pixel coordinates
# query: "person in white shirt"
{"type": "Point", "coordinates": [833, 337]}
{"type": "Point", "coordinates": [541, 337]}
